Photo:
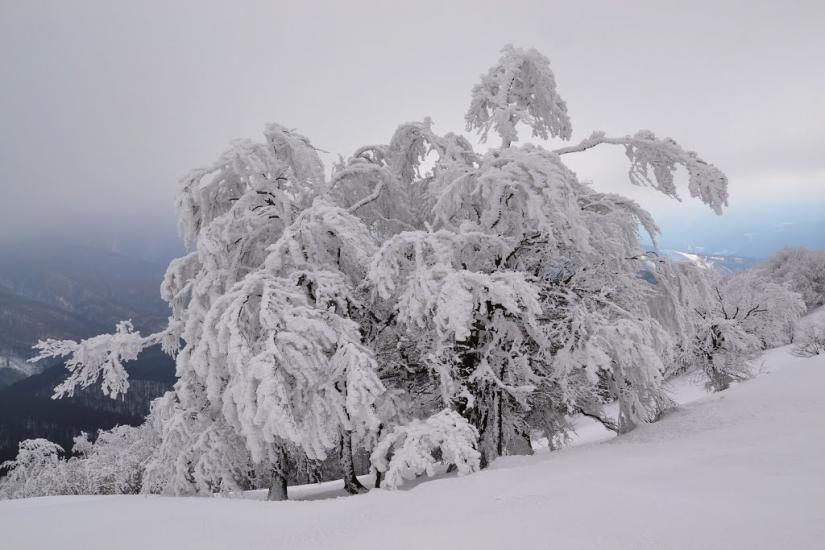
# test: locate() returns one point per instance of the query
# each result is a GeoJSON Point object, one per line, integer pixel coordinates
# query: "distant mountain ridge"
{"type": "Point", "coordinates": [723, 263]}
{"type": "Point", "coordinates": [68, 291]}
{"type": "Point", "coordinates": [23, 322]}
{"type": "Point", "coordinates": [27, 409]}
{"type": "Point", "coordinates": [95, 285]}
{"type": "Point", "coordinates": [72, 292]}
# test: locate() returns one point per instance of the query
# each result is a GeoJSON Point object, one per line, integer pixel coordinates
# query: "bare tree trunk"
{"type": "Point", "coordinates": [351, 483]}
{"type": "Point", "coordinates": [277, 488]}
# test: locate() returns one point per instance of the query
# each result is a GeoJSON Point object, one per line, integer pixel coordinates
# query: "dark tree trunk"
{"type": "Point", "coordinates": [277, 489]}
{"type": "Point", "coordinates": [719, 380]}
{"type": "Point", "coordinates": [486, 432]}
{"type": "Point", "coordinates": [500, 417]}
{"type": "Point", "coordinates": [378, 475]}
{"type": "Point", "coordinates": [521, 443]}
{"type": "Point", "coordinates": [351, 483]}
{"type": "Point", "coordinates": [625, 421]}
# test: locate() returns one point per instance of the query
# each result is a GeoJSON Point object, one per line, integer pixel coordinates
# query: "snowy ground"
{"type": "Point", "coordinates": [741, 469]}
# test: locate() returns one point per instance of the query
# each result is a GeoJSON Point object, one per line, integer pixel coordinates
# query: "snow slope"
{"type": "Point", "coordinates": [743, 468]}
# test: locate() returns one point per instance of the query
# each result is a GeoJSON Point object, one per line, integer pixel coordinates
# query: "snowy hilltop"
{"type": "Point", "coordinates": [429, 310]}
{"type": "Point", "coordinates": [740, 469]}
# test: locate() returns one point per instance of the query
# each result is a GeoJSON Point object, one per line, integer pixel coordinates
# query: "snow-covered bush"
{"type": "Point", "coordinates": [426, 447]}
{"type": "Point", "coordinates": [810, 341]}
{"type": "Point", "coordinates": [744, 315]}
{"type": "Point", "coordinates": [116, 461]}
{"type": "Point", "coordinates": [38, 470]}
{"type": "Point", "coordinates": [113, 464]}
{"type": "Point", "coordinates": [801, 270]}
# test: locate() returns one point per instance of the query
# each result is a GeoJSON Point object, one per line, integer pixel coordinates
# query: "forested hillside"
{"type": "Point", "coordinates": [27, 409]}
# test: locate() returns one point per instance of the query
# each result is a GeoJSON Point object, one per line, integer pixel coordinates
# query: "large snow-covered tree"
{"type": "Point", "coordinates": [424, 301]}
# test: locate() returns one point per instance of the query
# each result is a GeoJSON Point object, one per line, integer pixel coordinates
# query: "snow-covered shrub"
{"type": "Point", "coordinates": [38, 470]}
{"type": "Point", "coordinates": [801, 270]}
{"type": "Point", "coordinates": [113, 464]}
{"type": "Point", "coordinates": [116, 461]}
{"type": "Point", "coordinates": [810, 341]}
{"type": "Point", "coordinates": [744, 315]}
{"type": "Point", "coordinates": [426, 447]}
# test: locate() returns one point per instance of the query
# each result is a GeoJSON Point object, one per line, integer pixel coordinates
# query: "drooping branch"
{"type": "Point", "coordinates": [608, 423]}
{"type": "Point", "coordinates": [102, 357]}
{"type": "Point", "coordinates": [647, 154]}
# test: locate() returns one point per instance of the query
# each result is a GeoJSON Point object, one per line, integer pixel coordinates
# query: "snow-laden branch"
{"type": "Point", "coordinates": [661, 156]}
{"type": "Point", "coordinates": [596, 138]}
{"type": "Point", "coordinates": [376, 192]}
{"type": "Point", "coordinates": [408, 451]}
{"type": "Point", "coordinates": [101, 358]}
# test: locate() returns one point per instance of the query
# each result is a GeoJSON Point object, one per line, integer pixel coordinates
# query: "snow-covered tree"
{"type": "Point", "coordinates": [269, 357]}
{"type": "Point", "coordinates": [428, 302]}
{"type": "Point", "coordinates": [744, 315]}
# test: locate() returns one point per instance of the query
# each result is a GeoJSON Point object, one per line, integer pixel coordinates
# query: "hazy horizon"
{"type": "Point", "coordinates": [111, 104]}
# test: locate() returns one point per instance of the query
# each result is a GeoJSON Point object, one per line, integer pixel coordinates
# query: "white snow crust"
{"type": "Point", "coordinates": [743, 468]}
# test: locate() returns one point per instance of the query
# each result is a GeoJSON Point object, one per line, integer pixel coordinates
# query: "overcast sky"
{"type": "Point", "coordinates": [104, 105]}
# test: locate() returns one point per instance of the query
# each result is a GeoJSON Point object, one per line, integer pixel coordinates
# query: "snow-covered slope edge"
{"type": "Point", "coordinates": [738, 469]}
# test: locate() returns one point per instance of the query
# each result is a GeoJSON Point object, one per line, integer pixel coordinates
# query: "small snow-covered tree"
{"type": "Point", "coordinates": [745, 314]}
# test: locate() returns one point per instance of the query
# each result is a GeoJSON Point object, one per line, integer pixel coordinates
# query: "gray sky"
{"type": "Point", "coordinates": [104, 105]}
